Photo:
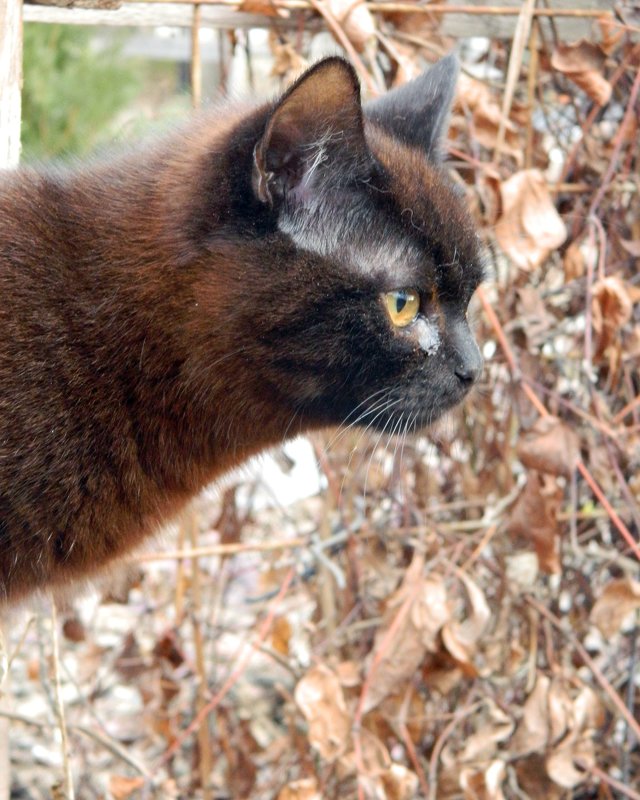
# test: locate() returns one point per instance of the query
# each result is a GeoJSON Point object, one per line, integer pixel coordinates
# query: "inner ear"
{"type": "Point", "coordinates": [317, 126]}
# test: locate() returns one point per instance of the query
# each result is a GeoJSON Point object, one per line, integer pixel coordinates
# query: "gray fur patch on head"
{"type": "Point", "coordinates": [358, 237]}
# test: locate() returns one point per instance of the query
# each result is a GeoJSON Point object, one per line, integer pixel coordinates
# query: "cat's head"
{"type": "Point", "coordinates": [369, 255]}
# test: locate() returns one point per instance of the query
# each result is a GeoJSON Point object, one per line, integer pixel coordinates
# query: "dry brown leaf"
{"type": "Point", "coordinates": [619, 598]}
{"type": "Point", "coordinates": [265, 7]}
{"type": "Point", "coordinates": [484, 783]}
{"type": "Point", "coordinates": [585, 714]}
{"type": "Point", "coordinates": [319, 696]}
{"type": "Point", "coordinates": [573, 262]}
{"type": "Point", "coordinates": [612, 35]}
{"type": "Point", "coordinates": [560, 764]}
{"type": "Point", "coordinates": [583, 62]}
{"type": "Point", "coordinates": [559, 707]}
{"type": "Point", "coordinates": [611, 306]}
{"type": "Point", "coordinates": [533, 316]}
{"type": "Point", "coordinates": [460, 638]}
{"type": "Point", "coordinates": [393, 782]}
{"type": "Point", "coordinates": [424, 614]}
{"type": "Point", "coordinates": [475, 98]}
{"type": "Point", "coordinates": [375, 756]}
{"type": "Point", "coordinates": [287, 62]}
{"type": "Point", "coordinates": [533, 779]}
{"type": "Point", "coordinates": [550, 446]}
{"type": "Point", "coordinates": [121, 787]}
{"type": "Point", "coordinates": [530, 227]}
{"type": "Point", "coordinates": [399, 783]}
{"type": "Point", "coordinates": [355, 19]}
{"type": "Point", "coordinates": [533, 517]}
{"type": "Point", "coordinates": [561, 725]}
{"type": "Point", "coordinates": [348, 673]}
{"type": "Point", "coordinates": [482, 745]}
{"type": "Point", "coordinates": [281, 635]}
{"type": "Point", "coordinates": [532, 733]}
{"type": "Point", "coordinates": [304, 789]}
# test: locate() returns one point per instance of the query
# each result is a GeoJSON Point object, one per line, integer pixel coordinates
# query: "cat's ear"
{"type": "Point", "coordinates": [417, 113]}
{"type": "Point", "coordinates": [316, 127]}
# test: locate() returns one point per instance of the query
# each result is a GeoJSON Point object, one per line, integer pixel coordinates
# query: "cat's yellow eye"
{"type": "Point", "coordinates": [403, 306]}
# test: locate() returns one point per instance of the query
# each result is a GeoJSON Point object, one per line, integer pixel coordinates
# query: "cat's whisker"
{"type": "Point", "coordinates": [378, 409]}
{"type": "Point", "coordinates": [389, 404]}
{"type": "Point", "coordinates": [343, 427]}
{"type": "Point", "coordinates": [373, 451]}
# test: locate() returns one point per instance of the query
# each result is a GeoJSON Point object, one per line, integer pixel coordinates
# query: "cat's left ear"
{"type": "Point", "coordinates": [417, 113]}
{"type": "Point", "coordinates": [316, 127]}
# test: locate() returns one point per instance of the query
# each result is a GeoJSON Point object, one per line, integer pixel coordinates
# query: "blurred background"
{"type": "Point", "coordinates": [454, 615]}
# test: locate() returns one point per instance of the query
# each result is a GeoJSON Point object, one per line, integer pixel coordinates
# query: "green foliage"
{"type": "Point", "coordinates": [72, 90]}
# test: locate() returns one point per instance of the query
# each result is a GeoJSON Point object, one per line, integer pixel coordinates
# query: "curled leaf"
{"type": "Point", "coordinates": [618, 599]}
{"type": "Point", "coordinates": [416, 614]}
{"type": "Point", "coordinates": [583, 62]}
{"type": "Point", "coordinates": [612, 306]}
{"type": "Point", "coordinates": [320, 698]}
{"type": "Point", "coordinates": [355, 19]}
{"type": "Point", "coordinates": [530, 227]}
{"type": "Point", "coordinates": [460, 638]}
{"type": "Point", "coordinates": [534, 519]}
{"type": "Point", "coordinates": [550, 446]}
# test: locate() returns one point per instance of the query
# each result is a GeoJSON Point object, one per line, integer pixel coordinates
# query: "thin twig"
{"type": "Point", "coordinates": [617, 146]}
{"type": "Point", "coordinates": [67, 785]}
{"type": "Point", "coordinates": [224, 549]}
{"type": "Point", "coordinates": [596, 772]}
{"type": "Point", "coordinates": [109, 744]}
{"type": "Point", "coordinates": [241, 664]}
{"type": "Point", "coordinates": [204, 738]}
{"type": "Point", "coordinates": [518, 45]}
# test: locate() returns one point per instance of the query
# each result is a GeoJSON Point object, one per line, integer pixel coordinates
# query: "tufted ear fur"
{"type": "Point", "coordinates": [316, 126]}
{"type": "Point", "coordinates": [417, 113]}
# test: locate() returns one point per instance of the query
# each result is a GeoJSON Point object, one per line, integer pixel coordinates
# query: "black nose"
{"type": "Point", "coordinates": [468, 374]}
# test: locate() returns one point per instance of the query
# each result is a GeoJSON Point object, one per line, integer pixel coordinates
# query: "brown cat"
{"type": "Point", "coordinates": [169, 313]}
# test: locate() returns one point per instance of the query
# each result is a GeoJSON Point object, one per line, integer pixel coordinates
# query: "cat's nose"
{"type": "Point", "coordinates": [468, 373]}
{"type": "Point", "coordinates": [469, 362]}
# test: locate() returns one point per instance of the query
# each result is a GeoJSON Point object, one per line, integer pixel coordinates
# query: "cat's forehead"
{"type": "Point", "coordinates": [432, 208]}
{"type": "Point", "coordinates": [349, 228]}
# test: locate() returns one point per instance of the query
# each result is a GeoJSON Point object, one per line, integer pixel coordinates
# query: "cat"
{"type": "Point", "coordinates": [169, 312]}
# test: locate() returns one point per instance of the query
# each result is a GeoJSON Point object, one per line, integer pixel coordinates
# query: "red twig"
{"type": "Point", "coordinates": [539, 406]}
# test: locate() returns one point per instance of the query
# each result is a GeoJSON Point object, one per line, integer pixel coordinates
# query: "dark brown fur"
{"type": "Point", "coordinates": [146, 306]}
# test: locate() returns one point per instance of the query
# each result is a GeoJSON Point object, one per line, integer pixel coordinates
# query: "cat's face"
{"type": "Point", "coordinates": [360, 314]}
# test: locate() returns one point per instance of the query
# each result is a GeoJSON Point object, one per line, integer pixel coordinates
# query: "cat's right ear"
{"type": "Point", "coordinates": [316, 128]}
{"type": "Point", "coordinates": [417, 113]}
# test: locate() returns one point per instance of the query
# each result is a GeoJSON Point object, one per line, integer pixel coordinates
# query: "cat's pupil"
{"type": "Point", "coordinates": [401, 301]}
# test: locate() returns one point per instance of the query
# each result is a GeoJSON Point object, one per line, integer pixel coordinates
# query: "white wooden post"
{"type": "Point", "coordinates": [10, 103]}
{"type": "Point", "coordinates": [10, 80]}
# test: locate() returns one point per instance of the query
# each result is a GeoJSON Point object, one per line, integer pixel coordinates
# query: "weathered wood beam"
{"type": "Point", "coordinates": [571, 19]}
{"type": "Point", "coordinates": [10, 80]}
